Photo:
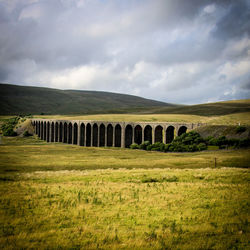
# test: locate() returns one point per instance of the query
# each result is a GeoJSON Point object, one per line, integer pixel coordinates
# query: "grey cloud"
{"type": "Point", "coordinates": [246, 84]}
{"type": "Point", "coordinates": [41, 40]}
{"type": "Point", "coordinates": [235, 22]}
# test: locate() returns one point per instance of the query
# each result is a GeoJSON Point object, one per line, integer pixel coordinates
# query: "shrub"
{"type": "Point", "coordinates": [240, 129]}
{"type": "Point", "coordinates": [166, 147]}
{"type": "Point", "coordinates": [222, 140]}
{"type": "Point", "coordinates": [26, 134]}
{"type": "Point", "coordinates": [244, 143]}
{"type": "Point", "coordinates": [202, 146]}
{"type": "Point", "coordinates": [233, 142]}
{"type": "Point", "coordinates": [158, 146]}
{"type": "Point", "coordinates": [9, 132]}
{"type": "Point", "coordinates": [149, 147]}
{"type": "Point", "coordinates": [207, 139]}
{"type": "Point", "coordinates": [134, 146]}
{"type": "Point", "coordinates": [8, 127]}
{"type": "Point", "coordinates": [187, 140]}
{"type": "Point", "coordinates": [162, 147]}
{"type": "Point", "coordinates": [213, 141]}
{"type": "Point", "coordinates": [192, 148]}
{"type": "Point", "coordinates": [144, 145]}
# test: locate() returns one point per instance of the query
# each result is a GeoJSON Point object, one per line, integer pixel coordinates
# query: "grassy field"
{"type": "Point", "coordinates": [31, 154]}
{"type": "Point", "coordinates": [126, 209]}
{"type": "Point", "coordinates": [59, 196]}
{"type": "Point", "coordinates": [232, 119]}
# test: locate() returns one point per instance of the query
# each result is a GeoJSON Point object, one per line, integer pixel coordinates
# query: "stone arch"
{"type": "Point", "coordinates": [95, 136]}
{"type": "Point", "coordinates": [75, 134]}
{"type": "Point", "coordinates": [42, 131]}
{"type": "Point", "coordinates": [61, 132]}
{"type": "Point", "coordinates": [169, 134]}
{"type": "Point", "coordinates": [128, 135]}
{"type": "Point", "coordinates": [56, 132]}
{"type": "Point", "coordinates": [88, 135]}
{"type": "Point", "coordinates": [65, 133]}
{"type": "Point", "coordinates": [148, 134]}
{"type": "Point", "coordinates": [182, 130]}
{"type": "Point", "coordinates": [70, 133]}
{"type": "Point", "coordinates": [138, 134]}
{"type": "Point", "coordinates": [102, 135]}
{"type": "Point", "coordinates": [158, 133]}
{"type": "Point", "coordinates": [82, 134]}
{"type": "Point", "coordinates": [52, 132]}
{"type": "Point", "coordinates": [118, 133]}
{"type": "Point", "coordinates": [48, 132]}
{"type": "Point", "coordinates": [109, 135]}
{"type": "Point", "coordinates": [39, 129]}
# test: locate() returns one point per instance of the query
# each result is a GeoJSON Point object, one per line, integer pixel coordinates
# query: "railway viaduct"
{"type": "Point", "coordinates": [108, 134]}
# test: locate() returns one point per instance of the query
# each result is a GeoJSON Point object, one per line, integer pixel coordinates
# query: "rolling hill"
{"type": "Point", "coordinates": [25, 100]}
{"type": "Point", "coordinates": [209, 109]}
{"type": "Point", "coordinates": [35, 100]}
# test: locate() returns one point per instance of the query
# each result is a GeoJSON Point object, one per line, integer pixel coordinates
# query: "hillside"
{"type": "Point", "coordinates": [210, 109]}
{"type": "Point", "coordinates": [35, 100]}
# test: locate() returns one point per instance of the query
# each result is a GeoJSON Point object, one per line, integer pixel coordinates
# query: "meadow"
{"type": "Point", "coordinates": [232, 119]}
{"type": "Point", "coordinates": [59, 196]}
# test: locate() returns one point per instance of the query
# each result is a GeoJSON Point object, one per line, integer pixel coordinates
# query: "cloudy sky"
{"type": "Point", "coordinates": [178, 51]}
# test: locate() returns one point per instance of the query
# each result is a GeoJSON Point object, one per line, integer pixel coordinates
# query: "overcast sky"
{"type": "Point", "coordinates": [178, 51]}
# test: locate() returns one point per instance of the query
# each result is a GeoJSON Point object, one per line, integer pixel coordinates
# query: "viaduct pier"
{"type": "Point", "coordinates": [108, 134]}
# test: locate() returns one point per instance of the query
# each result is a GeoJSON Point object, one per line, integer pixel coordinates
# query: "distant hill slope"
{"type": "Point", "coordinates": [209, 109]}
{"type": "Point", "coordinates": [16, 99]}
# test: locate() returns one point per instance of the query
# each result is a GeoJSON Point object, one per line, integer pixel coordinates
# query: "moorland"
{"type": "Point", "coordinates": [60, 196]}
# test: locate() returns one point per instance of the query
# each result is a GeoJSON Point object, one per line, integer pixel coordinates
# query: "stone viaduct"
{"type": "Point", "coordinates": [108, 134]}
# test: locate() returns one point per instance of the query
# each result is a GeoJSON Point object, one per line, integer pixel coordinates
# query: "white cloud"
{"type": "Point", "coordinates": [172, 51]}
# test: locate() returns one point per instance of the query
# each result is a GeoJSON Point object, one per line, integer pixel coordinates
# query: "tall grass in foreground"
{"type": "Point", "coordinates": [139, 209]}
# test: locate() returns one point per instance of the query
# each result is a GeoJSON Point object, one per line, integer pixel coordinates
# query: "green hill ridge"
{"type": "Point", "coordinates": [17, 99]}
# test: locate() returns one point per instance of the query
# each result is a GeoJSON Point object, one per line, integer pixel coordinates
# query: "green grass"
{"type": "Point", "coordinates": [185, 209]}
{"type": "Point", "coordinates": [36, 100]}
{"type": "Point", "coordinates": [59, 196]}
{"type": "Point", "coordinates": [232, 119]}
{"type": "Point", "coordinates": [31, 154]}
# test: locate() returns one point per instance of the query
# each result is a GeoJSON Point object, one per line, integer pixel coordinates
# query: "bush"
{"type": "Point", "coordinates": [26, 134]}
{"type": "Point", "coordinates": [9, 132]}
{"type": "Point", "coordinates": [244, 143]}
{"type": "Point", "coordinates": [8, 127]}
{"type": "Point", "coordinates": [158, 146]}
{"type": "Point", "coordinates": [240, 129]}
{"type": "Point", "coordinates": [134, 146]}
{"type": "Point", "coordinates": [192, 148]}
{"type": "Point", "coordinates": [167, 147]}
{"type": "Point", "coordinates": [144, 145]}
{"type": "Point", "coordinates": [212, 141]}
{"type": "Point", "coordinates": [233, 142]}
{"type": "Point", "coordinates": [149, 147]}
{"type": "Point", "coordinates": [222, 140]}
{"type": "Point", "coordinates": [202, 146]}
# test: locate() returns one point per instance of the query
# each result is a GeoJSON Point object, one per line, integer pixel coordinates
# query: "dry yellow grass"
{"type": "Point", "coordinates": [232, 119]}
{"type": "Point", "coordinates": [125, 209]}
